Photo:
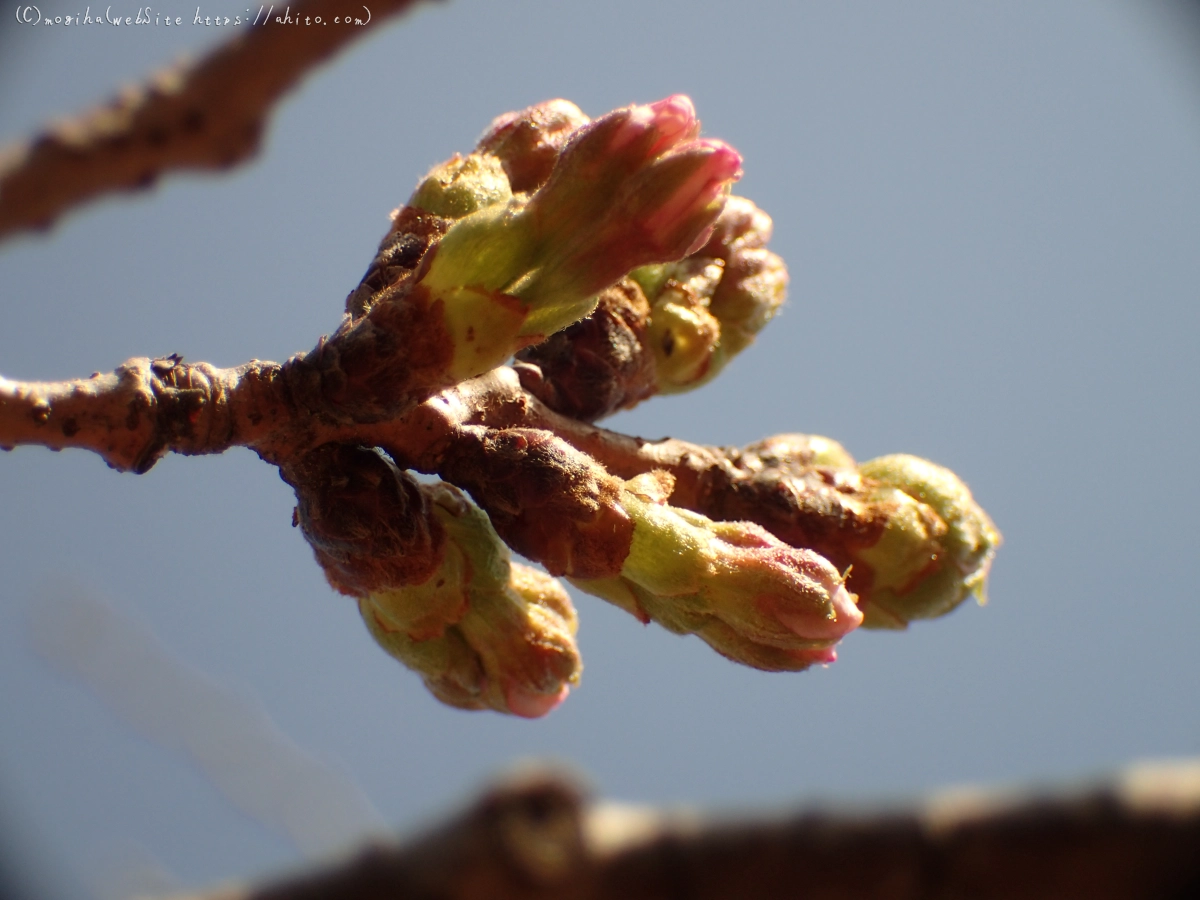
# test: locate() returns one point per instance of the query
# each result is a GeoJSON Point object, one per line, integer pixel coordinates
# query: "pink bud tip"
{"type": "Point", "coordinates": [844, 618]}
{"type": "Point", "coordinates": [725, 163]}
{"type": "Point", "coordinates": [532, 704]}
{"type": "Point", "coordinates": [720, 165]}
{"type": "Point", "coordinates": [674, 118]}
{"type": "Point", "coordinates": [670, 121]}
{"type": "Point", "coordinates": [817, 656]}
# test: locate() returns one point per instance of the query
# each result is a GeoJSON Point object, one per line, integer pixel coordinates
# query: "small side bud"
{"type": "Point", "coordinates": [937, 543]}
{"type": "Point", "coordinates": [369, 523]}
{"type": "Point", "coordinates": [684, 334]}
{"type": "Point", "coordinates": [461, 186]}
{"type": "Point", "coordinates": [598, 365]}
{"type": "Point", "coordinates": [749, 296]}
{"type": "Point", "coordinates": [528, 142]}
{"type": "Point", "coordinates": [698, 325]}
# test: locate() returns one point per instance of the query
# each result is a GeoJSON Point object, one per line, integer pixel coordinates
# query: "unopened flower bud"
{"type": "Point", "coordinates": [461, 186]}
{"type": "Point", "coordinates": [631, 188]}
{"type": "Point", "coordinates": [598, 365]}
{"type": "Point", "coordinates": [483, 632]}
{"type": "Point", "coordinates": [528, 142]}
{"type": "Point", "coordinates": [697, 326]}
{"type": "Point", "coordinates": [936, 546]}
{"type": "Point", "coordinates": [683, 333]}
{"type": "Point", "coordinates": [598, 224]}
{"type": "Point", "coordinates": [752, 597]}
{"type": "Point", "coordinates": [752, 291]}
{"type": "Point", "coordinates": [369, 523]}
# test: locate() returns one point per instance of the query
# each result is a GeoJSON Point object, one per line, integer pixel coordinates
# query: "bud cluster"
{"type": "Point", "coordinates": [435, 585]}
{"type": "Point", "coordinates": [668, 327]}
{"type": "Point", "coordinates": [500, 249]}
{"type": "Point", "coordinates": [610, 257]}
{"type": "Point", "coordinates": [910, 536]}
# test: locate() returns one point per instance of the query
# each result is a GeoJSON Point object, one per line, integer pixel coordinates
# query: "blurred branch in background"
{"type": "Point", "coordinates": [536, 837]}
{"type": "Point", "coordinates": [207, 115]}
{"type": "Point", "coordinates": [229, 738]}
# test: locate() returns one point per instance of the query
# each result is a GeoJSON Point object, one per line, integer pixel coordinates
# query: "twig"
{"type": "Point", "coordinates": [210, 115]}
{"type": "Point", "coordinates": [1134, 838]}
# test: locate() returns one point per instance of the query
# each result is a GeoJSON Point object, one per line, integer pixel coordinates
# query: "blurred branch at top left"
{"type": "Point", "coordinates": [210, 114]}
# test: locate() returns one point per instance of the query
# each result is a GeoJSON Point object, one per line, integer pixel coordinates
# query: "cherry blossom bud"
{"type": "Point", "coordinates": [483, 632]}
{"type": "Point", "coordinates": [461, 186]}
{"type": "Point", "coordinates": [368, 523]}
{"type": "Point", "coordinates": [752, 597]}
{"type": "Point", "coordinates": [698, 324]}
{"type": "Point", "coordinates": [684, 335]}
{"type": "Point", "coordinates": [936, 547]}
{"type": "Point", "coordinates": [631, 188]}
{"type": "Point", "coordinates": [528, 142]}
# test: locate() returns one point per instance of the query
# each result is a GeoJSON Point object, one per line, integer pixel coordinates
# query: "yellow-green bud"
{"type": "Point", "coordinates": [709, 307]}
{"type": "Point", "coordinates": [482, 631]}
{"type": "Point", "coordinates": [462, 185]}
{"type": "Point", "coordinates": [937, 543]}
{"type": "Point", "coordinates": [752, 291]}
{"type": "Point", "coordinates": [684, 334]}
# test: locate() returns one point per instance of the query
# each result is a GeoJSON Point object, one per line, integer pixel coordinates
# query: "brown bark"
{"type": "Point", "coordinates": [132, 416]}
{"type": "Point", "coordinates": [210, 115]}
{"type": "Point", "coordinates": [1134, 838]}
{"type": "Point", "coordinates": [148, 407]}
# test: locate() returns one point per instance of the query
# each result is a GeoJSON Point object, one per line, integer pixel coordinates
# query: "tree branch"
{"type": "Point", "coordinates": [132, 416]}
{"type": "Point", "coordinates": [210, 115]}
{"type": "Point", "coordinates": [1133, 838]}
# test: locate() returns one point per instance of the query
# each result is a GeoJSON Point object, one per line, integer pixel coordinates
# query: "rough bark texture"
{"type": "Point", "coordinates": [1134, 838]}
{"type": "Point", "coordinates": [488, 435]}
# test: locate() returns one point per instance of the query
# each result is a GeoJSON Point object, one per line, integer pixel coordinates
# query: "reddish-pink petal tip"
{"type": "Point", "coordinates": [817, 625]}
{"type": "Point", "coordinates": [820, 656]}
{"type": "Point", "coordinates": [532, 704]}
{"type": "Point", "coordinates": [673, 117]}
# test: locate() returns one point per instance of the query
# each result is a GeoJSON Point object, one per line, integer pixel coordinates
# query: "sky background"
{"type": "Point", "coordinates": [991, 214]}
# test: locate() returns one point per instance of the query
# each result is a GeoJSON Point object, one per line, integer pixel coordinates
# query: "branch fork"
{"type": "Point", "coordinates": [607, 260]}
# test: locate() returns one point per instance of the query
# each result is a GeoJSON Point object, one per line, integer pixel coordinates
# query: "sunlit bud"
{"type": "Point", "coordinates": [698, 325]}
{"type": "Point", "coordinates": [601, 156]}
{"type": "Point", "coordinates": [461, 186]}
{"type": "Point", "coordinates": [483, 632]}
{"type": "Point", "coordinates": [936, 546]}
{"type": "Point", "coordinates": [684, 334]}
{"type": "Point", "coordinates": [792, 453]}
{"type": "Point", "coordinates": [528, 142]}
{"type": "Point", "coordinates": [656, 213]}
{"type": "Point", "coordinates": [632, 188]}
{"type": "Point", "coordinates": [752, 291]}
{"type": "Point", "coordinates": [752, 597]}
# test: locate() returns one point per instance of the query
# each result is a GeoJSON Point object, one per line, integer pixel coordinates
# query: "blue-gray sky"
{"type": "Point", "coordinates": [991, 212]}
